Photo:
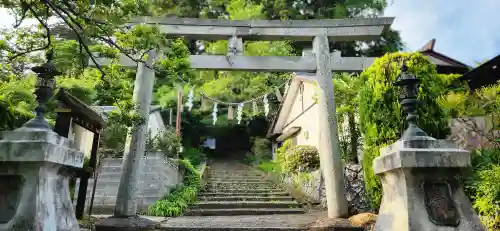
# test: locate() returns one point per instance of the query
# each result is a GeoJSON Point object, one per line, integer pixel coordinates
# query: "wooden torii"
{"type": "Point", "coordinates": [318, 59]}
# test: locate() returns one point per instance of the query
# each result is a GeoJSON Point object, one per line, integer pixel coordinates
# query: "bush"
{"type": "Point", "coordinates": [481, 185]}
{"type": "Point", "coordinates": [281, 151]}
{"type": "Point", "coordinates": [194, 155]}
{"type": "Point", "coordinates": [381, 118]}
{"type": "Point", "coordinates": [167, 142]}
{"type": "Point", "coordinates": [261, 148]}
{"type": "Point", "coordinates": [269, 167]}
{"type": "Point", "coordinates": [300, 158]}
{"type": "Point", "coordinates": [179, 199]}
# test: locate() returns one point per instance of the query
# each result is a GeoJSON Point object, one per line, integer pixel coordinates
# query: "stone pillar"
{"type": "Point", "coordinates": [126, 200]}
{"type": "Point", "coordinates": [329, 145]}
{"type": "Point", "coordinates": [422, 190]}
{"type": "Point", "coordinates": [34, 181]}
{"type": "Point", "coordinates": [125, 217]}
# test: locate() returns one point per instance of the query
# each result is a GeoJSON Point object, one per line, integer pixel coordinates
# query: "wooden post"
{"type": "Point", "coordinates": [126, 201]}
{"type": "Point", "coordinates": [84, 179]}
{"type": "Point", "coordinates": [329, 145]}
{"type": "Point", "coordinates": [63, 123]}
{"type": "Point", "coordinates": [179, 110]}
{"type": "Point", "coordinates": [171, 115]}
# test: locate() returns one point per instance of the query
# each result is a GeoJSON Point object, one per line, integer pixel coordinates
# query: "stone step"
{"type": "Point", "coordinates": [217, 190]}
{"type": "Point", "coordinates": [108, 176]}
{"type": "Point", "coordinates": [118, 169]}
{"type": "Point", "coordinates": [244, 204]}
{"type": "Point", "coordinates": [105, 184]}
{"type": "Point", "coordinates": [242, 211]}
{"type": "Point", "coordinates": [169, 228]}
{"type": "Point", "coordinates": [246, 198]}
{"type": "Point", "coordinates": [232, 179]}
{"type": "Point", "coordinates": [118, 162]}
{"type": "Point", "coordinates": [223, 183]}
{"type": "Point", "coordinates": [142, 193]}
{"type": "Point", "coordinates": [241, 186]}
{"type": "Point", "coordinates": [242, 173]}
{"type": "Point", "coordinates": [238, 172]}
{"type": "Point", "coordinates": [236, 177]}
{"type": "Point", "coordinates": [258, 194]}
{"type": "Point", "coordinates": [111, 200]}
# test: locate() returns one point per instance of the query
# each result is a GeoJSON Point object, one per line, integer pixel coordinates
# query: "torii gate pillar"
{"type": "Point", "coordinates": [329, 146]}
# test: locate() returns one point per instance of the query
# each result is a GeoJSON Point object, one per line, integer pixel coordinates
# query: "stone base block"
{"type": "Point", "coordinates": [422, 188]}
{"type": "Point", "coordinates": [134, 223]}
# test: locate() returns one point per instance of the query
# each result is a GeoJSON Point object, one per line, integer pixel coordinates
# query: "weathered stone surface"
{"type": "Point", "coordinates": [158, 175]}
{"type": "Point", "coordinates": [228, 182]}
{"type": "Point", "coordinates": [276, 222]}
{"type": "Point", "coordinates": [297, 30]}
{"type": "Point", "coordinates": [406, 168]}
{"type": "Point", "coordinates": [134, 223]}
{"type": "Point", "coordinates": [354, 185]}
{"type": "Point", "coordinates": [34, 190]}
{"type": "Point", "coordinates": [354, 188]}
{"type": "Point", "coordinates": [264, 63]}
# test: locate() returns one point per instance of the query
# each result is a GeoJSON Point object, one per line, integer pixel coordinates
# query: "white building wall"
{"type": "Point", "coordinates": [155, 123]}
{"type": "Point", "coordinates": [82, 138]}
{"type": "Point", "coordinates": [307, 120]}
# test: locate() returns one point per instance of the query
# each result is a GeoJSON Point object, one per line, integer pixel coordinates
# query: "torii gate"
{"type": "Point", "coordinates": [319, 59]}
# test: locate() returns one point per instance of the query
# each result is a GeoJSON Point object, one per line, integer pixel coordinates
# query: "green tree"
{"type": "Point", "coordinates": [381, 119]}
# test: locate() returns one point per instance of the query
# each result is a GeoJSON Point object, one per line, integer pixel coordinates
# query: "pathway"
{"type": "Point", "coordinates": [237, 197]}
{"type": "Point", "coordinates": [235, 189]}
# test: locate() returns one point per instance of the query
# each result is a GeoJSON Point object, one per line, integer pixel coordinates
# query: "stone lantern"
{"type": "Point", "coordinates": [35, 166]}
{"type": "Point", "coordinates": [420, 177]}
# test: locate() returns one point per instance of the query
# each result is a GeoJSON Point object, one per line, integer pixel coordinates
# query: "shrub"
{"type": "Point", "coordinates": [281, 151]}
{"type": "Point", "coordinates": [269, 167]}
{"type": "Point", "coordinates": [381, 119]}
{"type": "Point", "coordinates": [194, 155]}
{"type": "Point", "coordinates": [180, 197]}
{"type": "Point", "coordinates": [165, 141]}
{"type": "Point", "coordinates": [261, 148]}
{"type": "Point", "coordinates": [300, 158]}
{"type": "Point", "coordinates": [481, 185]}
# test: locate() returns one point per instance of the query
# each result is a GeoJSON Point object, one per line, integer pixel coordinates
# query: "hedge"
{"type": "Point", "coordinates": [381, 117]}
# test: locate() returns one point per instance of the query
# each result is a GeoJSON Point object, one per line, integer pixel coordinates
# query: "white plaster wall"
{"type": "Point", "coordinates": [82, 138]}
{"type": "Point", "coordinates": [155, 123]}
{"type": "Point", "coordinates": [309, 134]}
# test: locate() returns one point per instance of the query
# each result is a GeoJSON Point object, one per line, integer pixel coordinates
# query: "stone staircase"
{"type": "Point", "coordinates": [234, 189]}
{"type": "Point", "coordinates": [158, 176]}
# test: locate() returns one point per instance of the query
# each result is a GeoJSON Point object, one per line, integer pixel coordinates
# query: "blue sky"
{"type": "Point", "coordinates": [466, 30]}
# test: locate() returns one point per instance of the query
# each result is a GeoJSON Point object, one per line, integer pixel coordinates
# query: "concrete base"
{"type": "Point", "coordinates": [134, 223]}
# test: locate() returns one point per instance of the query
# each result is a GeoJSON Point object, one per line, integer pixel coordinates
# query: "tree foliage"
{"type": "Point", "coordinates": [381, 118]}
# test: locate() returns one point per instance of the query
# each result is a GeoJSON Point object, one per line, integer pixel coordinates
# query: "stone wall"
{"type": "Point", "coordinates": [473, 132]}
{"type": "Point", "coordinates": [159, 175]}
{"type": "Point", "coordinates": [312, 185]}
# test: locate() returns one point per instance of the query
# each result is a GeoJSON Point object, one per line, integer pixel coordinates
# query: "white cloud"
{"type": "Point", "coordinates": [465, 30]}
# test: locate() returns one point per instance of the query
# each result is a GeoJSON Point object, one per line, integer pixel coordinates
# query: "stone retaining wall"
{"type": "Point", "coordinates": [312, 185]}
{"type": "Point", "coordinates": [159, 175]}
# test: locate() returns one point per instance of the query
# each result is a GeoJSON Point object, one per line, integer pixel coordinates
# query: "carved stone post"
{"type": "Point", "coordinates": [329, 145]}
{"type": "Point", "coordinates": [422, 190]}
